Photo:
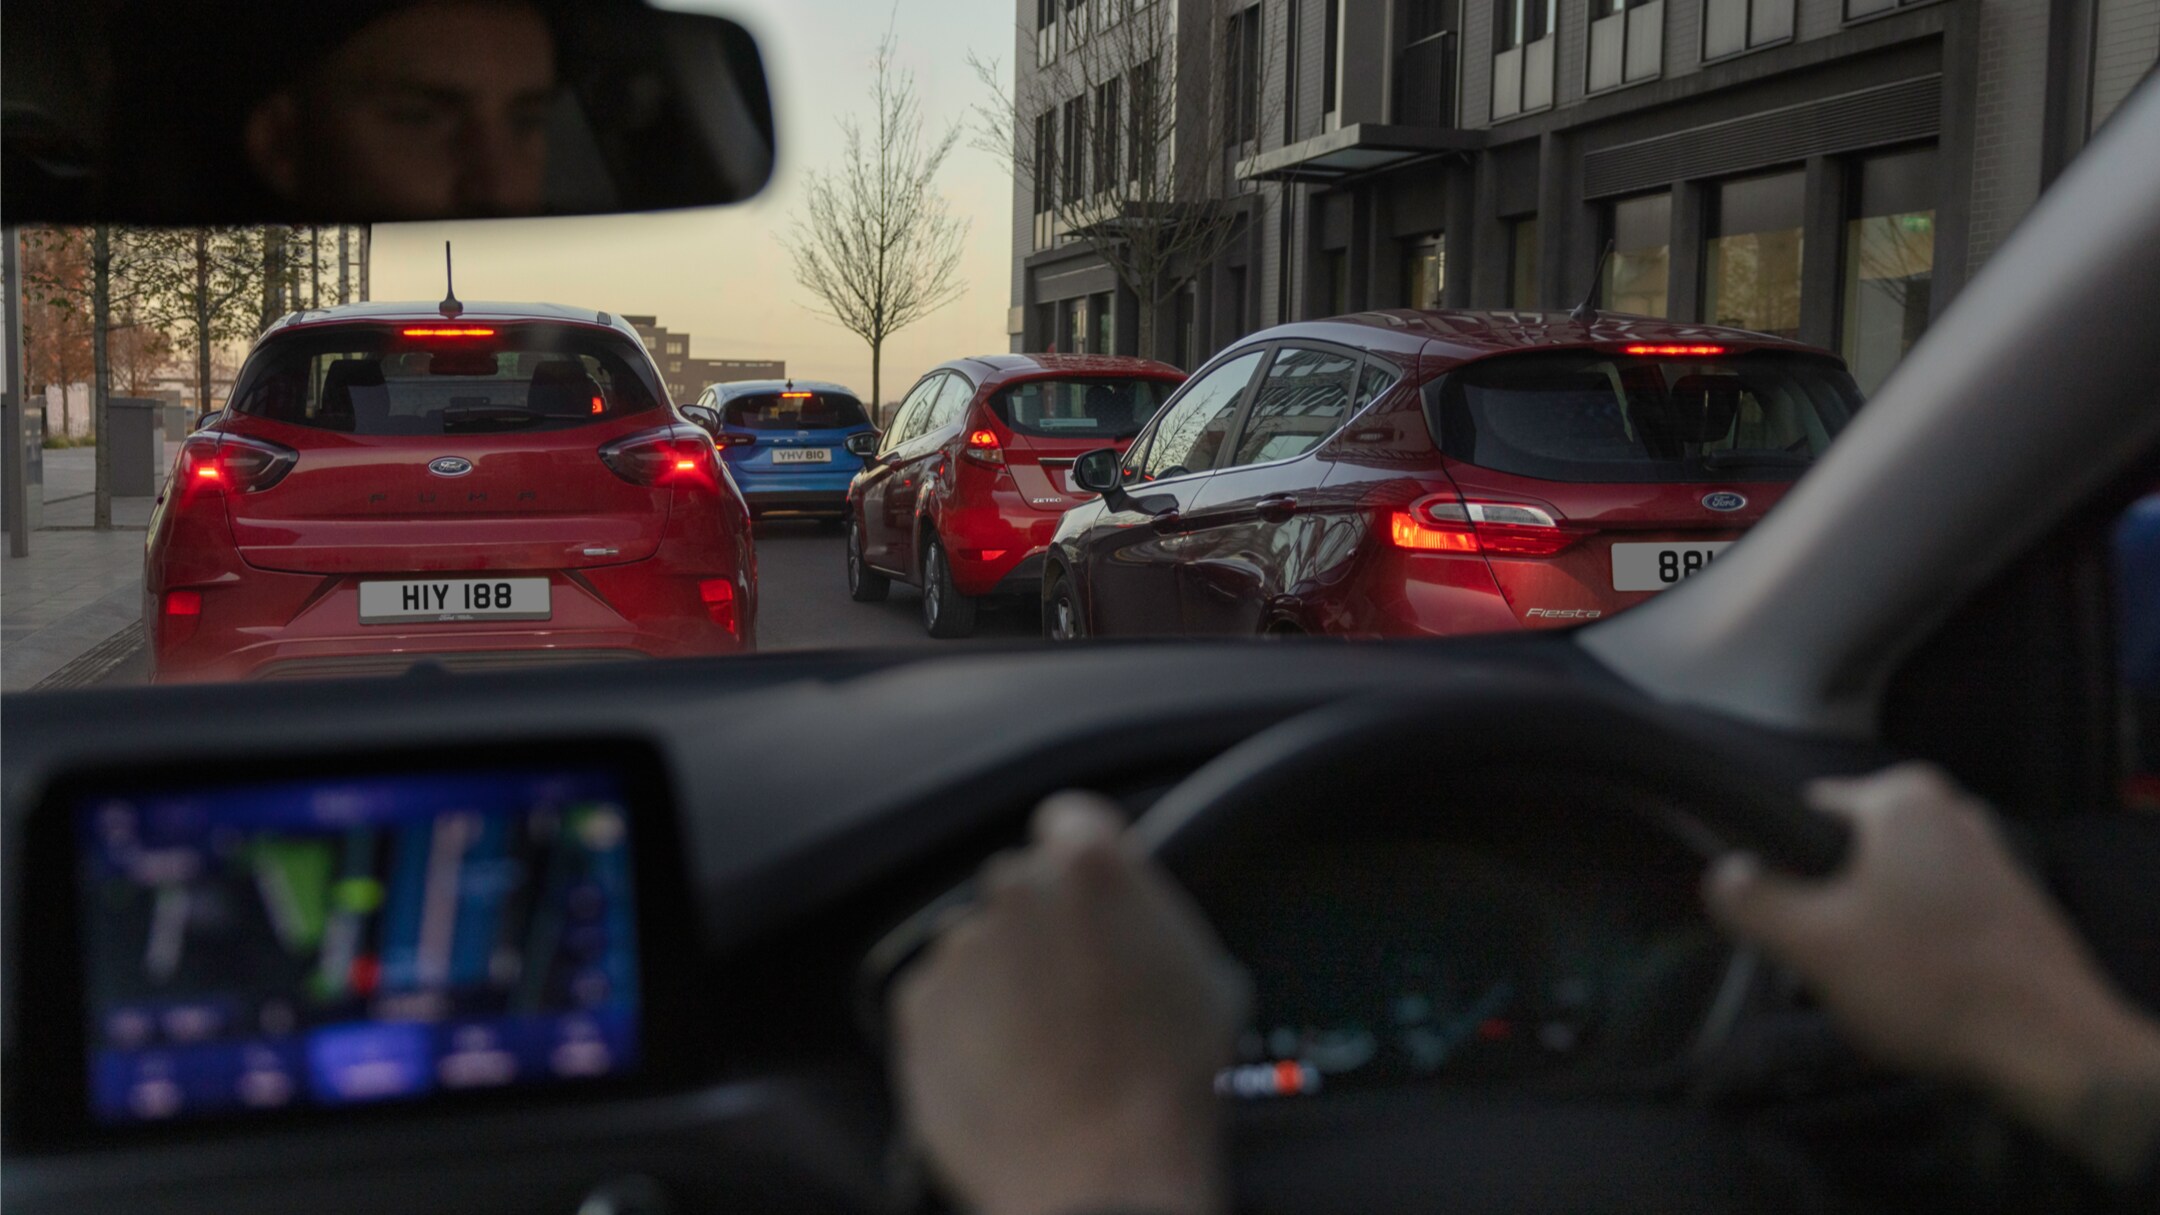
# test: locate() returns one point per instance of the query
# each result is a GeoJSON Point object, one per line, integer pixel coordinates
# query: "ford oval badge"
{"type": "Point", "coordinates": [1724, 500]}
{"type": "Point", "coordinates": [458, 466]}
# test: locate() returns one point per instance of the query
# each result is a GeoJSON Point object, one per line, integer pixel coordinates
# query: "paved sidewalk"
{"type": "Point", "coordinates": [78, 595]}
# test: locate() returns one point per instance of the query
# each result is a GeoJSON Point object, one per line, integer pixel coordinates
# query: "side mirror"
{"type": "Point", "coordinates": [706, 417]}
{"type": "Point", "coordinates": [210, 419]}
{"type": "Point", "coordinates": [862, 443]}
{"type": "Point", "coordinates": [1101, 471]}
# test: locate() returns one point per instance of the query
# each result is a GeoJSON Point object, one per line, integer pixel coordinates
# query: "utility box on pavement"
{"type": "Point", "coordinates": [179, 420]}
{"type": "Point", "coordinates": [33, 437]}
{"type": "Point", "coordinates": [138, 445]}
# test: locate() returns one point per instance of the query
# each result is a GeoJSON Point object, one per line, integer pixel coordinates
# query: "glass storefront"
{"type": "Point", "coordinates": [1751, 267]}
{"type": "Point", "coordinates": [1425, 272]}
{"type": "Point", "coordinates": [1889, 263]}
{"type": "Point", "coordinates": [1636, 277]}
{"type": "Point", "coordinates": [1522, 263]}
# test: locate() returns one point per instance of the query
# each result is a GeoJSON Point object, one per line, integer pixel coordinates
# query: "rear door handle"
{"type": "Point", "coordinates": [1276, 509]}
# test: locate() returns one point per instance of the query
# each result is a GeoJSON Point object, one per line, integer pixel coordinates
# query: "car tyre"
{"type": "Point", "coordinates": [864, 585]}
{"type": "Point", "coordinates": [1062, 620]}
{"type": "Point", "coordinates": [946, 612]}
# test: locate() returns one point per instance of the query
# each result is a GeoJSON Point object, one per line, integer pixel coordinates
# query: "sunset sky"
{"type": "Point", "coordinates": [720, 273]}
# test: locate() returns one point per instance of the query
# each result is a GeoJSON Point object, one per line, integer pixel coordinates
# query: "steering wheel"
{"type": "Point", "coordinates": [1295, 768]}
{"type": "Point", "coordinates": [1717, 803]}
{"type": "Point", "coordinates": [1405, 747]}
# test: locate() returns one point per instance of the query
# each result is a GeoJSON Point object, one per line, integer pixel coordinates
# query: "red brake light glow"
{"type": "Point", "coordinates": [718, 595]}
{"type": "Point", "coordinates": [1408, 531]}
{"type": "Point", "coordinates": [598, 405]}
{"type": "Point", "coordinates": [207, 472]}
{"type": "Point", "coordinates": [1675, 351]}
{"type": "Point", "coordinates": [983, 448]}
{"type": "Point", "coordinates": [1500, 529]}
{"type": "Point", "coordinates": [183, 603]}
{"type": "Point", "coordinates": [669, 455]}
{"type": "Point", "coordinates": [438, 331]}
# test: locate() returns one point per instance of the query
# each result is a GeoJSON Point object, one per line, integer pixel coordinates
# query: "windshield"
{"type": "Point", "coordinates": [1094, 408]}
{"type": "Point", "coordinates": [791, 410]}
{"type": "Point", "coordinates": [1336, 381]}
{"type": "Point", "coordinates": [438, 379]}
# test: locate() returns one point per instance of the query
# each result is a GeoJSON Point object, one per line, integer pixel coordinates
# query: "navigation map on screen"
{"type": "Point", "coordinates": [324, 943]}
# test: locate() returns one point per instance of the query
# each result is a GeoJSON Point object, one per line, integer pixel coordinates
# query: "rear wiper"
{"type": "Point", "coordinates": [488, 417]}
{"type": "Point", "coordinates": [1761, 458]}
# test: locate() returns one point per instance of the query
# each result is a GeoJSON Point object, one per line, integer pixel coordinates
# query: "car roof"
{"type": "Point", "coordinates": [988, 369]}
{"type": "Point", "coordinates": [1462, 334]}
{"type": "Point", "coordinates": [740, 388]}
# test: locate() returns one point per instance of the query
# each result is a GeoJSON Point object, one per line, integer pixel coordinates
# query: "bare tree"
{"type": "Point", "coordinates": [876, 243]}
{"type": "Point", "coordinates": [114, 294]}
{"type": "Point", "coordinates": [1126, 138]}
{"type": "Point", "coordinates": [207, 286]}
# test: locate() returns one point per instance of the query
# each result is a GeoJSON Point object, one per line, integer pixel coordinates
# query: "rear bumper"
{"type": "Point", "coordinates": [279, 625]}
{"type": "Point", "coordinates": [998, 549]}
{"type": "Point", "coordinates": [767, 481]}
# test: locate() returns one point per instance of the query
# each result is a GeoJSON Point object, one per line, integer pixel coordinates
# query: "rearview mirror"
{"type": "Point", "coordinates": [707, 418]}
{"type": "Point", "coordinates": [223, 112]}
{"type": "Point", "coordinates": [862, 443]}
{"type": "Point", "coordinates": [1100, 471]}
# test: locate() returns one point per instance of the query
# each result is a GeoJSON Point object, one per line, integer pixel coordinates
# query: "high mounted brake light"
{"type": "Point", "coordinates": [794, 396]}
{"type": "Point", "coordinates": [1675, 351]}
{"type": "Point", "coordinates": [442, 331]}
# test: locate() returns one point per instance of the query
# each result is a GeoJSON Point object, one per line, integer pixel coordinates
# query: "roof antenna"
{"type": "Point", "coordinates": [1586, 312]}
{"type": "Point", "coordinates": [450, 306]}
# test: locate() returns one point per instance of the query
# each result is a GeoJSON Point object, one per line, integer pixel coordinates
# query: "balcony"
{"type": "Point", "coordinates": [1522, 80]}
{"type": "Point", "coordinates": [1365, 147]}
{"type": "Point", "coordinates": [1627, 47]}
{"type": "Point", "coordinates": [1425, 82]}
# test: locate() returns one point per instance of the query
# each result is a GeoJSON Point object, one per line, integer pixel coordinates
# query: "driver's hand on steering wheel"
{"type": "Point", "coordinates": [1939, 956]}
{"type": "Point", "coordinates": [1057, 1046]}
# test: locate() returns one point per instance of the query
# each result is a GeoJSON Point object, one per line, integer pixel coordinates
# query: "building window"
{"type": "Point", "coordinates": [1072, 166]}
{"type": "Point", "coordinates": [1627, 42]}
{"type": "Point", "coordinates": [2126, 36]}
{"type": "Point", "coordinates": [1241, 74]}
{"type": "Point", "coordinates": [1140, 131]}
{"type": "Point", "coordinates": [1425, 272]}
{"type": "Point", "coordinates": [1751, 269]}
{"type": "Point", "coordinates": [1889, 263]}
{"type": "Point", "coordinates": [1637, 276]}
{"type": "Point", "coordinates": [1102, 325]}
{"type": "Point", "coordinates": [1856, 9]}
{"type": "Point", "coordinates": [1105, 135]}
{"type": "Point", "coordinates": [1522, 77]}
{"type": "Point", "coordinates": [1733, 26]}
{"type": "Point", "coordinates": [1046, 15]}
{"type": "Point", "coordinates": [1076, 15]}
{"type": "Point", "coordinates": [1330, 54]}
{"type": "Point", "coordinates": [1522, 263]}
{"type": "Point", "coordinates": [1425, 68]}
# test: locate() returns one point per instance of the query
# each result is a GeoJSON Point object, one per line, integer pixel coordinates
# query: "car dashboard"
{"type": "Point", "coordinates": [525, 941]}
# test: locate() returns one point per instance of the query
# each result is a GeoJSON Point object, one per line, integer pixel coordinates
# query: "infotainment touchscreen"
{"type": "Point", "coordinates": [319, 943]}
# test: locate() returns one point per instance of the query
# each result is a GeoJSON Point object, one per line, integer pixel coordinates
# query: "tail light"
{"type": "Point", "coordinates": [1500, 529]}
{"type": "Point", "coordinates": [670, 455]}
{"type": "Point", "coordinates": [234, 464]}
{"type": "Point", "coordinates": [983, 448]}
{"type": "Point", "coordinates": [719, 597]}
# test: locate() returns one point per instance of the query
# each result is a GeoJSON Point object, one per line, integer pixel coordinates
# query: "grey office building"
{"type": "Point", "coordinates": [1832, 170]}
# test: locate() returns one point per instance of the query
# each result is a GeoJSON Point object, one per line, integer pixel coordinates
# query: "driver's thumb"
{"type": "Point", "coordinates": [1763, 908]}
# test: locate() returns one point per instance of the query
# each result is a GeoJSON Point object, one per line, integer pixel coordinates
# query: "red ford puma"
{"type": "Point", "coordinates": [504, 485]}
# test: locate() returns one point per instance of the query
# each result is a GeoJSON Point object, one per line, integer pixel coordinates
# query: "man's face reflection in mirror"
{"type": "Point", "coordinates": [433, 110]}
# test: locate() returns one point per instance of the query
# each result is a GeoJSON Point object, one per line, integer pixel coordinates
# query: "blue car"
{"type": "Point", "coordinates": [782, 440]}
